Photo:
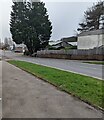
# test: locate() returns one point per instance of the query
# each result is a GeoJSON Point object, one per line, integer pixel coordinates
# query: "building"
{"type": "Point", "coordinates": [91, 39]}
{"type": "Point", "coordinates": [20, 47]}
{"type": "Point", "coordinates": [57, 44]}
{"type": "Point", "coordinates": [69, 41]}
{"type": "Point", "coordinates": [64, 43]}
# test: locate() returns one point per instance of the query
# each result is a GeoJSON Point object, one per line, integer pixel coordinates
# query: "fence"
{"type": "Point", "coordinates": [92, 54]}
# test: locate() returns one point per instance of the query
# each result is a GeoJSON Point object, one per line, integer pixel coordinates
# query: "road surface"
{"type": "Point", "coordinates": [67, 65]}
{"type": "Point", "coordinates": [25, 96]}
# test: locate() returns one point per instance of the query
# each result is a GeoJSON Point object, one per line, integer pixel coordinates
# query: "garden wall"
{"type": "Point", "coordinates": [92, 54]}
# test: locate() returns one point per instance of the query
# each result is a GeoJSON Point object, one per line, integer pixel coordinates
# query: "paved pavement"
{"type": "Point", "coordinates": [68, 65]}
{"type": "Point", "coordinates": [25, 96]}
{"type": "Point", "coordinates": [0, 88]}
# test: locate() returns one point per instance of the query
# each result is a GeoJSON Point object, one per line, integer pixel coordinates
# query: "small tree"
{"type": "Point", "coordinates": [6, 44]}
{"type": "Point", "coordinates": [30, 25]}
{"type": "Point", "coordinates": [93, 18]}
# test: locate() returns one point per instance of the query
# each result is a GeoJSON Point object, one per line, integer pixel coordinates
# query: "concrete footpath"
{"type": "Point", "coordinates": [0, 89]}
{"type": "Point", "coordinates": [25, 96]}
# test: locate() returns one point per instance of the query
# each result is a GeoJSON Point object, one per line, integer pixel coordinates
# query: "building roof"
{"type": "Point", "coordinates": [54, 42]}
{"type": "Point", "coordinates": [70, 39]}
{"type": "Point", "coordinates": [94, 32]}
{"type": "Point", "coordinates": [73, 43]}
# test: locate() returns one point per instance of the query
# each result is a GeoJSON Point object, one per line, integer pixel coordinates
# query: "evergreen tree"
{"type": "Point", "coordinates": [93, 18]}
{"type": "Point", "coordinates": [30, 25]}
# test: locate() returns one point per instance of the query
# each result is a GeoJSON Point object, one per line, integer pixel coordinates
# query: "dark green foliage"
{"type": "Point", "coordinates": [30, 25]}
{"type": "Point", "coordinates": [93, 18]}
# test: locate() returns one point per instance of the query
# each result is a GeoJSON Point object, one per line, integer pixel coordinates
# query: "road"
{"type": "Point", "coordinates": [67, 65]}
{"type": "Point", "coordinates": [25, 96]}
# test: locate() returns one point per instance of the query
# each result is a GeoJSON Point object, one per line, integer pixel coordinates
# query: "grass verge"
{"type": "Point", "coordinates": [86, 88]}
{"type": "Point", "coordinates": [97, 62]}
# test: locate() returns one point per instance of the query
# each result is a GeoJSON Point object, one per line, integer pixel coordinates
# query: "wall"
{"type": "Point", "coordinates": [90, 41]}
{"type": "Point", "coordinates": [93, 54]}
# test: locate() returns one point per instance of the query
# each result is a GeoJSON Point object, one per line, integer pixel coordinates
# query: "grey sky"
{"type": "Point", "coordinates": [65, 16]}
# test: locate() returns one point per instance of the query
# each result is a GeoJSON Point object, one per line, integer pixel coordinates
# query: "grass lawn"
{"type": "Point", "coordinates": [87, 88]}
{"type": "Point", "coordinates": [97, 62]}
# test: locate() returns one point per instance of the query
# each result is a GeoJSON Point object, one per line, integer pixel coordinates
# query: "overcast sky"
{"type": "Point", "coordinates": [64, 15]}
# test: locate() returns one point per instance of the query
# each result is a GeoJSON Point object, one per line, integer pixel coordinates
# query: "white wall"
{"type": "Point", "coordinates": [90, 41]}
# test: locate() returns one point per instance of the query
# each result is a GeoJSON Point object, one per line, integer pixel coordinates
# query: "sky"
{"type": "Point", "coordinates": [64, 15]}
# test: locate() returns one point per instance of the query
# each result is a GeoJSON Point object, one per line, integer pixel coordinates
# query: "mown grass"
{"type": "Point", "coordinates": [87, 88]}
{"type": "Point", "coordinates": [97, 62]}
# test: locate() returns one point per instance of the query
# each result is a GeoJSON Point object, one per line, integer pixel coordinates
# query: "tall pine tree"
{"type": "Point", "coordinates": [30, 25]}
{"type": "Point", "coordinates": [93, 18]}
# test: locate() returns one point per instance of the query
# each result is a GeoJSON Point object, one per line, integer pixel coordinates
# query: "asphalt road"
{"type": "Point", "coordinates": [25, 96]}
{"type": "Point", "coordinates": [67, 65]}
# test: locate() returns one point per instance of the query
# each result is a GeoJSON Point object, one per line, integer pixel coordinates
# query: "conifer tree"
{"type": "Point", "coordinates": [93, 18]}
{"type": "Point", "coordinates": [30, 25]}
